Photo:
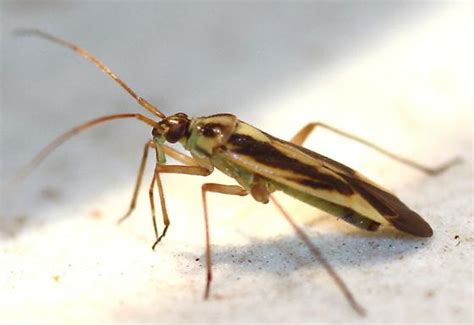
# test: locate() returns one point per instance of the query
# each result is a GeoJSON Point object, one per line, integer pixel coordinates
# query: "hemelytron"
{"type": "Point", "coordinates": [260, 164]}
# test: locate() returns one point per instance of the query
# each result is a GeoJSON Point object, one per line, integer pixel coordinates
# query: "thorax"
{"type": "Point", "coordinates": [212, 138]}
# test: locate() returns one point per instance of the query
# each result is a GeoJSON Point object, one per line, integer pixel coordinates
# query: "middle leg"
{"type": "Point", "coordinates": [223, 189]}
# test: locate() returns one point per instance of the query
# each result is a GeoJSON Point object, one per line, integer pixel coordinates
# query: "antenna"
{"type": "Point", "coordinates": [88, 56]}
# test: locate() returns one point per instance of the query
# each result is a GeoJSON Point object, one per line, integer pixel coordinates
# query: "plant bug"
{"type": "Point", "coordinates": [260, 164]}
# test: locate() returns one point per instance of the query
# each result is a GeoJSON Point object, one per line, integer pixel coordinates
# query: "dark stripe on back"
{"type": "Point", "coordinates": [267, 154]}
{"type": "Point", "coordinates": [315, 155]}
{"type": "Point", "coordinates": [317, 185]}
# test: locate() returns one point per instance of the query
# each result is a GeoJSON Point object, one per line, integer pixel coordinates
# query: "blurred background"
{"type": "Point", "coordinates": [397, 73]}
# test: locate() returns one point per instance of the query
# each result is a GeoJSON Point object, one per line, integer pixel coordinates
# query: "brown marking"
{"type": "Point", "coordinates": [334, 185]}
{"type": "Point", "coordinates": [267, 154]}
{"type": "Point", "coordinates": [377, 202]}
{"type": "Point", "coordinates": [315, 155]}
{"type": "Point", "coordinates": [211, 130]}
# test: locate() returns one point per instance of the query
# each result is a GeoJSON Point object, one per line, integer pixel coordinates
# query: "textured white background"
{"type": "Point", "coordinates": [400, 74]}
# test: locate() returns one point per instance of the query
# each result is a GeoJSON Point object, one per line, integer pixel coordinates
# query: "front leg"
{"type": "Point", "coordinates": [168, 151]}
{"type": "Point", "coordinates": [171, 169]}
{"type": "Point", "coordinates": [192, 168]}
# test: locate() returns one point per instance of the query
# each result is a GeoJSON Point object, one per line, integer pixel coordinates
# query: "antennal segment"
{"type": "Point", "coordinates": [26, 170]}
{"type": "Point", "coordinates": [86, 55]}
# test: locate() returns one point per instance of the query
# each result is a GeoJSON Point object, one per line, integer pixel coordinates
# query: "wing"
{"type": "Point", "coordinates": [308, 172]}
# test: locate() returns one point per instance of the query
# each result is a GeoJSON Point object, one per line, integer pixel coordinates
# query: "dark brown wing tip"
{"type": "Point", "coordinates": [413, 224]}
{"type": "Point", "coordinates": [394, 210]}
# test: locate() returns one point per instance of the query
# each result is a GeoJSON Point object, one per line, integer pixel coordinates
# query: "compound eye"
{"type": "Point", "coordinates": [175, 132]}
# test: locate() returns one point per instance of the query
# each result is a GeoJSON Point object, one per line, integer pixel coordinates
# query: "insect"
{"type": "Point", "coordinates": [260, 164]}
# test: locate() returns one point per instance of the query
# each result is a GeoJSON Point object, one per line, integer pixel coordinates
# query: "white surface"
{"type": "Point", "coordinates": [399, 74]}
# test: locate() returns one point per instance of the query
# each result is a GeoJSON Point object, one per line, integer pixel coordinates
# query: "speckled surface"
{"type": "Point", "coordinates": [398, 74]}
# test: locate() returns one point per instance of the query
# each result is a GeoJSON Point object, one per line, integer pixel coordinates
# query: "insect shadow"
{"type": "Point", "coordinates": [285, 254]}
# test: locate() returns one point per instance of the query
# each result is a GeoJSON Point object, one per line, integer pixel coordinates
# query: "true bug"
{"type": "Point", "coordinates": [260, 163]}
